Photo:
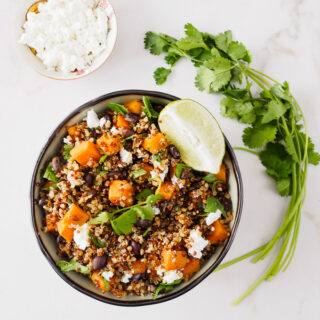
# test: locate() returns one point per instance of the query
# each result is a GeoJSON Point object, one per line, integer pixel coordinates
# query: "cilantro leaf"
{"type": "Point", "coordinates": [193, 40]}
{"type": "Point", "coordinates": [172, 58]}
{"type": "Point", "coordinates": [291, 148]}
{"type": "Point", "coordinates": [155, 42]}
{"type": "Point", "coordinates": [115, 107]}
{"type": "Point", "coordinates": [103, 158]}
{"type": "Point", "coordinates": [160, 75]}
{"type": "Point", "coordinates": [157, 156]}
{"type": "Point", "coordinates": [72, 265]}
{"type": "Point", "coordinates": [284, 187]}
{"type": "Point", "coordinates": [211, 178]}
{"type": "Point", "coordinates": [148, 109]}
{"type": "Point", "coordinates": [153, 198]}
{"type": "Point", "coordinates": [144, 212]}
{"type": "Point", "coordinates": [103, 217]}
{"type": "Point", "coordinates": [223, 40]}
{"type": "Point", "coordinates": [179, 168]}
{"type": "Point", "coordinates": [237, 51]}
{"type": "Point", "coordinates": [274, 111]}
{"type": "Point", "coordinates": [49, 174]}
{"type": "Point", "coordinates": [66, 151]}
{"type": "Point", "coordinates": [96, 241]}
{"type": "Point", "coordinates": [144, 193]}
{"type": "Point", "coordinates": [124, 223]}
{"type": "Point", "coordinates": [213, 204]}
{"type": "Point", "coordinates": [313, 157]}
{"type": "Point", "coordinates": [138, 173]}
{"type": "Point", "coordinates": [165, 286]}
{"type": "Point", "coordinates": [256, 137]}
{"type": "Point", "coordinates": [276, 159]}
{"type": "Point", "coordinates": [204, 79]}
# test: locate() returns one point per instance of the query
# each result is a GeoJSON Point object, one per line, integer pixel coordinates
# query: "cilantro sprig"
{"type": "Point", "coordinates": [276, 131]}
{"type": "Point", "coordinates": [72, 265]}
{"type": "Point", "coordinates": [165, 286]}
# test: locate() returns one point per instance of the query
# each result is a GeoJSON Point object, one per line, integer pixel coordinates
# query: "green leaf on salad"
{"type": "Point", "coordinates": [138, 173]}
{"type": "Point", "coordinates": [165, 286]}
{"type": "Point", "coordinates": [49, 174]}
{"type": "Point", "coordinates": [143, 194]}
{"type": "Point", "coordinates": [66, 151]}
{"type": "Point", "coordinates": [148, 109]}
{"type": "Point", "coordinates": [115, 107]}
{"type": "Point", "coordinates": [179, 168]}
{"type": "Point", "coordinates": [72, 265]}
{"type": "Point", "coordinates": [96, 241]}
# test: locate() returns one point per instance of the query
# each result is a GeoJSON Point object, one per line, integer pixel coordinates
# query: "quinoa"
{"type": "Point", "coordinates": [170, 245]}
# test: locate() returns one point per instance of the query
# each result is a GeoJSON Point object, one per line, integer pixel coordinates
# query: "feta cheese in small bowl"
{"type": "Point", "coordinates": [66, 40]}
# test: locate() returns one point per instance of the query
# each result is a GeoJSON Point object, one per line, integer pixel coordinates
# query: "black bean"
{"type": "Point", "coordinates": [116, 175]}
{"type": "Point", "coordinates": [99, 262]}
{"type": "Point", "coordinates": [89, 178]}
{"type": "Point", "coordinates": [42, 202]}
{"type": "Point", "coordinates": [136, 248]}
{"type": "Point", "coordinates": [108, 117]}
{"type": "Point", "coordinates": [196, 185]}
{"type": "Point", "coordinates": [126, 132]}
{"type": "Point", "coordinates": [60, 240]}
{"type": "Point", "coordinates": [144, 224]}
{"type": "Point", "coordinates": [132, 117]}
{"type": "Point", "coordinates": [174, 151]}
{"type": "Point", "coordinates": [227, 204]}
{"type": "Point", "coordinates": [138, 276]}
{"type": "Point", "coordinates": [186, 174]}
{"type": "Point", "coordinates": [56, 164]}
{"type": "Point", "coordinates": [168, 206]}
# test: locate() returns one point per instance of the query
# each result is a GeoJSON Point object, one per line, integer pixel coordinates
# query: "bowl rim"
{"type": "Point", "coordinates": [140, 302]}
{"type": "Point", "coordinates": [92, 71]}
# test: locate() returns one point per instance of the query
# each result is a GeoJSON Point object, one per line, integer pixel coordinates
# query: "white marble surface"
{"type": "Point", "coordinates": [284, 39]}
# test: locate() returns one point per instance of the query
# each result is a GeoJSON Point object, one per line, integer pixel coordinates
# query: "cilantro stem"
{"type": "Point", "coordinates": [247, 150]}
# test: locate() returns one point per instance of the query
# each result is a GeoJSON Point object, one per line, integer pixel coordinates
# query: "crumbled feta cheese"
{"type": "Point", "coordinates": [125, 156]}
{"type": "Point", "coordinates": [163, 174]}
{"type": "Point", "coordinates": [114, 131]}
{"type": "Point", "coordinates": [160, 272]}
{"type": "Point", "coordinates": [212, 217]}
{"type": "Point", "coordinates": [176, 181]}
{"type": "Point", "coordinates": [155, 173]}
{"type": "Point", "coordinates": [92, 119]}
{"type": "Point", "coordinates": [74, 177]}
{"type": "Point", "coordinates": [67, 35]}
{"type": "Point", "coordinates": [125, 278]}
{"type": "Point", "coordinates": [171, 276]}
{"type": "Point", "coordinates": [196, 244]}
{"type": "Point", "coordinates": [80, 236]}
{"type": "Point", "coordinates": [107, 275]}
{"type": "Point", "coordinates": [102, 121]}
{"type": "Point", "coordinates": [156, 211]}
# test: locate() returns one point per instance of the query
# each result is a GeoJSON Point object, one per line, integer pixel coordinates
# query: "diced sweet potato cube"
{"type": "Point", "coordinates": [65, 231]}
{"type": "Point", "coordinates": [174, 259]}
{"type": "Point", "coordinates": [75, 216]}
{"type": "Point", "coordinates": [121, 122]}
{"type": "Point", "coordinates": [85, 152]}
{"type": "Point", "coordinates": [72, 131]}
{"type": "Point", "coordinates": [51, 222]}
{"type": "Point", "coordinates": [191, 267]}
{"type": "Point", "coordinates": [155, 143]}
{"type": "Point", "coordinates": [121, 193]}
{"type": "Point", "coordinates": [167, 190]}
{"type": "Point", "coordinates": [98, 281]}
{"type": "Point", "coordinates": [134, 106]}
{"type": "Point", "coordinates": [219, 234]}
{"type": "Point", "coordinates": [222, 174]}
{"type": "Point", "coordinates": [138, 267]}
{"type": "Point", "coordinates": [109, 145]}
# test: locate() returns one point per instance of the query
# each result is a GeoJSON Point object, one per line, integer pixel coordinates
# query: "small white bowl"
{"type": "Point", "coordinates": [37, 64]}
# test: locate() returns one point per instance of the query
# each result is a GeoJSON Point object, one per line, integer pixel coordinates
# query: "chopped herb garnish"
{"type": "Point", "coordinates": [117, 108]}
{"type": "Point", "coordinates": [66, 151]}
{"type": "Point", "coordinates": [211, 178]}
{"type": "Point", "coordinates": [148, 109]}
{"type": "Point", "coordinates": [213, 204]}
{"type": "Point", "coordinates": [145, 233]}
{"type": "Point", "coordinates": [144, 193]}
{"type": "Point", "coordinates": [157, 156]}
{"type": "Point", "coordinates": [103, 217]}
{"type": "Point", "coordinates": [96, 241]}
{"type": "Point", "coordinates": [167, 287]}
{"type": "Point", "coordinates": [103, 158]}
{"type": "Point", "coordinates": [130, 137]}
{"type": "Point", "coordinates": [49, 174]}
{"type": "Point", "coordinates": [138, 173]}
{"type": "Point", "coordinates": [72, 265]}
{"type": "Point", "coordinates": [180, 167]}
{"type": "Point", "coordinates": [103, 172]}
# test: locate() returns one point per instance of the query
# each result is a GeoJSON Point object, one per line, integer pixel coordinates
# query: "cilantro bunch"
{"type": "Point", "coordinates": [276, 131]}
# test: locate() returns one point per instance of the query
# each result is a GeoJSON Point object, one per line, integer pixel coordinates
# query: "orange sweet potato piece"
{"type": "Point", "coordinates": [155, 143]}
{"type": "Point", "coordinates": [219, 234]}
{"type": "Point", "coordinates": [75, 216]}
{"type": "Point", "coordinates": [72, 131]}
{"type": "Point", "coordinates": [167, 190]}
{"type": "Point", "coordinates": [121, 193]}
{"type": "Point", "coordinates": [121, 122]}
{"type": "Point", "coordinates": [134, 106]}
{"type": "Point", "coordinates": [98, 281]}
{"type": "Point", "coordinates": [191, 267]}
{"type": "Point", "coordinates": [138, 267]}
{"type": "Point", "coordinates": [64, 231]}
{"type": "Point", "coordinates": [109, 145]}
{"type": "Point", "coordinates": [51, 222]}
{"type": "Point", "coordinates": [174, 259]}
{"type": "Point", "coordinates": [222, 174]}
{"type": "Point", "coordinates": [85, 152]}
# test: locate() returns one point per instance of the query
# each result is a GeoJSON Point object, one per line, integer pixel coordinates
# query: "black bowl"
{"type": "Point", "coordinates": [47, 242]}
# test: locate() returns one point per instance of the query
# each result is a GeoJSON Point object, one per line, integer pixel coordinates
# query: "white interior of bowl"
{"type": "Point", "coordinates": [48, 239]}
{"type": "Point", "coordinates": [36, 63]}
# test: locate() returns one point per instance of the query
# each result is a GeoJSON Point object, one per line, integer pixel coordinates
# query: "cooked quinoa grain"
{"type": "Point", "coordinates": [120, 213]}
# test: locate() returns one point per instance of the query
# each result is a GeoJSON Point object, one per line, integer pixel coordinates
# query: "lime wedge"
{"type": "Point", "coordinates": [196, 134]}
